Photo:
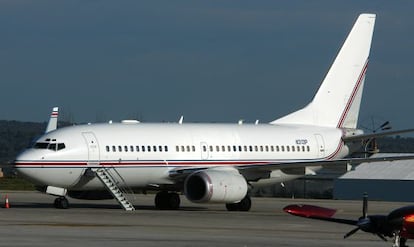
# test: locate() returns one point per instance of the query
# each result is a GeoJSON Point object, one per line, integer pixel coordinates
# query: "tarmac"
{"type": "Point", "coordinates": [31, 220]}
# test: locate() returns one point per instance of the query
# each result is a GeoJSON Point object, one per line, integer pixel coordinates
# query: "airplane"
{"type": "Point", "coordinates": [398, 224]}
{"type": "Point", "coordinates": [208, 162]}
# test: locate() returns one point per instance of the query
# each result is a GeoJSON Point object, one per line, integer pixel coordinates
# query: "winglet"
{"type": "Point", "coordinates": [52, 125]}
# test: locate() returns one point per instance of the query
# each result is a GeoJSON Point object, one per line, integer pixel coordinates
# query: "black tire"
{"type": "Point", "coordinates": [161, 200]}
{"type": "Point", "coordinates": [61, 203]}
{"type": "Point", "coordinates": [64, 203]}
{"type": "Point", "coordinates": [232, 207]}
{"type": "Point", "coordinates": [245, 204]}
{"type": "Point", "coordinates": [173, 201]}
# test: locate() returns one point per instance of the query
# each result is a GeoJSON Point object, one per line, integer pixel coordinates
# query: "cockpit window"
{"type": "Point", "coordinates": [51, 146]}
{"type": "Point", "coordinates": [61, 146]}
{"type": "Point", "coordinates": [41, 145]}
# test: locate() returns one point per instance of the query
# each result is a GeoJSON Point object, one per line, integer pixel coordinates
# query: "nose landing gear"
{"type": "Point", "coordinates": [61, 202]}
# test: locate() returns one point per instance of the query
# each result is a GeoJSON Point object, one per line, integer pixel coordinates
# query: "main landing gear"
{"type": "Point", "coordinates": [61, 202]}
{"type": "Point", "coordinates": [167, 200]}
{"type": "Point", "coordinates": [244, 205]}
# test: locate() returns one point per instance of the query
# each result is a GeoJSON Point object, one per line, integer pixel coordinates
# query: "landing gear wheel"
{"type": "Point", "coordinates": [165, 200]}
{"type": "Point", "coordinates": [61, 202]}
{"type": "Point", "coordinates": [232, 206]}
{"type": "Point", "coordinates": [173, 201]}
{"type": "Point", "coordinates": [244, 205]}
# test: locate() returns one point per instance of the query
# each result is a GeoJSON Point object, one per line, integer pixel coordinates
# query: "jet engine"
{"type": "Point", "coordinates": [215, 185]}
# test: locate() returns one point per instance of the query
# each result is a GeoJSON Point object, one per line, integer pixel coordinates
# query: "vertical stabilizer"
{"type": "Point", "coordinates": [52, 125]}
{"type": "Point", "coordinates": [337, 101]}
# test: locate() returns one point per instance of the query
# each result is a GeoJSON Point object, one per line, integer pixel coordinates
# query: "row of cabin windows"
{"type": "Point", "coordinates": [256, 148]}
{"type": "Point", "coordinates": [137, 148]}
{"type": "Point", "coordinates": [210, 148]}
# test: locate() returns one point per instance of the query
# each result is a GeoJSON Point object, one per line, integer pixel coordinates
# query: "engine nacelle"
{"type": "Point", "coordinates": [215, 185]}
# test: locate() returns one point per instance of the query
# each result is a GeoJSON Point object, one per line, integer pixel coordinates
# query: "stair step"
{"type": "Point", "coordinates": [111, 185]}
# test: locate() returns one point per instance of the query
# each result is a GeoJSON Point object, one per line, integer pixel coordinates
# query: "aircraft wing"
{"type": "Point", "coordinates": [298, 167]}
{"type": "Point", "coordinates": [256, 171]}
{"type": "Point", "coordinates": [375, 135]}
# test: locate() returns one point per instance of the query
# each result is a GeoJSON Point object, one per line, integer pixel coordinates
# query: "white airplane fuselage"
{"type": "Point", "coordinates": [144, 153]}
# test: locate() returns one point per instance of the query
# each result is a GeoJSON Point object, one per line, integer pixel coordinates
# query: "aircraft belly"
{"type": "Point", "coordinates": [75, 178]}
{"type": "Point", "coordinates": [127, 177]}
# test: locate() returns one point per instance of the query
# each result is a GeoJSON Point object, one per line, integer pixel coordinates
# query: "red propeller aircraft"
{"type": "Point", "coordinates": [398, 224]}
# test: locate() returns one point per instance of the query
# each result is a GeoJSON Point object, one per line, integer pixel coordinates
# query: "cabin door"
{"type": "Point", "coordinates": [93, 148]}
{"type": "Point", "coordinates": [320, 145]}
{"type": "Point", "coordinates": [204, 150]}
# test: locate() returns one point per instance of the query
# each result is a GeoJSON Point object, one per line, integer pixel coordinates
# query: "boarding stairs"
{"type": "Point", "coordinates": [112, 185]}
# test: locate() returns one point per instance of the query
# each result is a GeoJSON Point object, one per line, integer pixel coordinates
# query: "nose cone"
{"type": "Point", "coordinates": [27, 159]}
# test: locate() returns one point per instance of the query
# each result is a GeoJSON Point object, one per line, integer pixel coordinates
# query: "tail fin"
{"type": "Point", "coordinates": [337, 102]}
{"type": "Point", "coordinates": [52, 125]}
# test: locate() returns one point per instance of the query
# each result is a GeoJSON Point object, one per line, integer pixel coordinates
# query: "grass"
{"type": "Point", "coordinates": [15, 183]}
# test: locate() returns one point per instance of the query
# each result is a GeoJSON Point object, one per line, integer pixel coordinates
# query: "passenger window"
{"type": "Point", "coordinates": [193, 148]}
{"type": "Point", "coordinates": [160, 148]}
{"type": "Point", "coordinates": [293, 148]}
{"type": "Point", "coordinates": [287, 149]}
{"type": "Point", "coordinates": [166, 148]}
{"type": "Point", "coordinates": [240, 148]}
{"type": "Point", "coordinates": [211, 148]}
{"type": "Point", "coordinates": [283, 148]}
{"type": "Point", "coordinates": [126, 148]}
{"type": "Point", "coordinates": [303, 148]}
{"type": "Point", "coordinates": [107, 148]}
{"type": "Point", "coordinates": [223, 148]}
{"type": "Point", "coordinates": [245, 148]}
{"type": "Point", "coordinates": [308, 148]}
{"type": "Point", "coordinates": [251, 148]}
{"type": "Point", "coordinates": [119, 148]}
{"type": "Point", "coordinates": [256, 149]}
{"type": "Point", "coordinates": [182, 149]}
{"type": "Point", "coordinates": [188, 148]}
{"type": "Point", "coordinates": [261, 148]}
{"type": "Point", "coordinates": [272, 148]}
{"type": "Point", "coordinates": [217, 148]}
{"type": "Point", "coordinates": [137, 148]}
{"type": "Point", "coordinates": [113, 149]}
{"type": "Point", "coordinates": [228, 148]}
{"type": "Point", "coordinates": [234, 149]}
{"type": "Point", "coordinates": [177, 148]}
{"type": "Point", "coordinates": [267, 148]}
{"type": "Point", "coordinates": [277, 149]}
{"type": "Point", "coordinates": [143, 148]}
{"type": "Point", "coordinates": [204, 149]}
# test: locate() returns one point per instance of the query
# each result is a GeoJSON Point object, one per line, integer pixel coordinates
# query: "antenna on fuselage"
{"type": "Point", "coordinates": [52, 125]}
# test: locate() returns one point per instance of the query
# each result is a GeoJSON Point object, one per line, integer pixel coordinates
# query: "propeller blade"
{"type": "Point", "coordinates": [365, 205]}
{"type": "Point", "coordinates": [351, 232]}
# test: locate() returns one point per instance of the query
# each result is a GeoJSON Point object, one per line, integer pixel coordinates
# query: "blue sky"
{"type": "Point", "coordinates": [211, 61]}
